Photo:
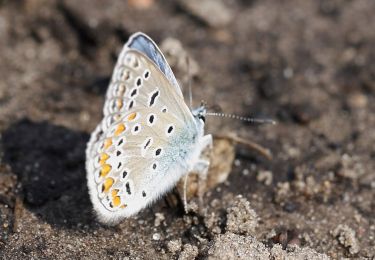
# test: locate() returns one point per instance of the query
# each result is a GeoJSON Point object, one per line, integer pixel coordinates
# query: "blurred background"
{"type": "Point", "coordinates": [310, 65]}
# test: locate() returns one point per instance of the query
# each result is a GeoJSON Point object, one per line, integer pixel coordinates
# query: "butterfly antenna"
{"type": "Point", "coordinates": [189, 82]}
{"type": "Point", "coordinates": [242, 118]}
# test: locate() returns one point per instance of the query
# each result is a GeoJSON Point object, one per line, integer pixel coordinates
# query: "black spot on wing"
{"type": "Point", "coordinates": [127, 186]}
{"type": "Point", "coordinates": [153, 98]}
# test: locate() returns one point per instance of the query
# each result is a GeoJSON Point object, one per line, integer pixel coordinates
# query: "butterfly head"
{"type": "Point", "coordinates": [199, 113]}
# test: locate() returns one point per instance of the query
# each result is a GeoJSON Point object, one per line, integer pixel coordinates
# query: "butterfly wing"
{"type": "Point", "coordinates": [140, 149]}
{"type": "Point", "coordinates": [115, 98]}
{"type": "Point", "coordinates": [144, 44]}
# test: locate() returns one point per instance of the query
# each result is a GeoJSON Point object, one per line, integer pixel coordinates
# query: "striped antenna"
{"type": "Point", "coordinates": [242, 118]}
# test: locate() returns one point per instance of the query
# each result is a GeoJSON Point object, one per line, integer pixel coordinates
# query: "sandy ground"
{"type": "Point", "coordinates": [310, 65]}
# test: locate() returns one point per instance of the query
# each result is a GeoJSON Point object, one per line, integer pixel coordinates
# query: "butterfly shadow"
{"type": "Point", "coordinates": [49, 163]}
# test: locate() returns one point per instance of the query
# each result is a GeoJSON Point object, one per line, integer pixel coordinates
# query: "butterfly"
{"type": "Point", "coordinates": [148, 138]}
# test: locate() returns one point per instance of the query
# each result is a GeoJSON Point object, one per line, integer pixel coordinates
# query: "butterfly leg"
{"type": "Point", "coordinates": [202, 167]}
{"type": "Point", "coordinates": [206, 142]}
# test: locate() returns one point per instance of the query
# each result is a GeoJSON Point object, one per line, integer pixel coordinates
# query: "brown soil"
{"type": "Point", "coordinates": [308, 64]}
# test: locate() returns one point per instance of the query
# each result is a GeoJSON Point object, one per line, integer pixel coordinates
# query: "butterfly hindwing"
{"type": "Point", "coordinates": [147, 130]}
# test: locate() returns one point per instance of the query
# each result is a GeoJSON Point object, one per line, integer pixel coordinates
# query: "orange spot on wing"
{"type": "Point", "coordinates": [132, 116]}
{"type": "Point", "coordinates": [114, 193]}
{"type": "Point", "coordinates": [103, 157]}
{"type": "Point", "coordinates": [106, 168]}
{"type": "Point", "coordinates": [119, 103]}
{"type": "Point", "coordinates": [116, 201]}
{"type": "Point", "coordinates": [107, 143]}
{"type": "Point", "coordinates": [107, 184]}
{"type": "Point", "coordinates": [120, 128]}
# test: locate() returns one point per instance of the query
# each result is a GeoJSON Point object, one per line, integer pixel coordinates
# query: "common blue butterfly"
{"type": "Point", "coordinates": [148, 139]}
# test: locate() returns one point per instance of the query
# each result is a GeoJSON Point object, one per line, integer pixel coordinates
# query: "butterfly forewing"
{"type": "Point", "coordinates": [143, 44]}
{"type": "Point", "coordinates": [146, 130]}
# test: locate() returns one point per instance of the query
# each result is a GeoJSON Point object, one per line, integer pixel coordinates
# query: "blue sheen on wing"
{"type": "Point", "coordinates": [144, 44]}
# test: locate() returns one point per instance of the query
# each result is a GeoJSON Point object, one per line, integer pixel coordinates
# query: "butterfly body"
{"type": "Point", "coordinates": [148, 138]}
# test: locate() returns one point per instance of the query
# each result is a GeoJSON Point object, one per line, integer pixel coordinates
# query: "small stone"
{"type": "Point", "coordinates": [292, 152]}
{"type": "Point", "coordinates": [351, 167]}
{"type": "Point", "coordinates": [213, 12]}
{"type": "Point", "coordinates": [84, 116]}
{"type": "Point", "coordinates": [179, 59]}
{"type": "Point", "coordinates": [271, 234]}
{"type": "Point", "coordinates": [245, 172]}
{"type": "Point", "coordinates": [237, 163]}
{"type": "Point", "coordinates": [241, 218]}
{"type": "Point", "coordinates": [288, 73]}
{"type": "Point", "coordinates": [347, 237]}
{"type": "Point", "coordinates": [283, 191]}
{"type": "Point", "coordinates": [189, 252]}
{"type": "Point", "coordinates": [156, 236]}
{"type": "Point", "coordinates": [174, 245]}
{"type": "Point", "coordinates": [357, 100]}
{"type": "Point", "coordinates": [265, 177]}
{"type": "Point", "coordinates": [212, 222]}
{"type": "Point", "coordinates": [159, 218]}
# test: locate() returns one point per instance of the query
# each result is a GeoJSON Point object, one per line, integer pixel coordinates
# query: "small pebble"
{"type": "Point", "coordinates": [189, 252]}
{"type": "Point", "coordinates": [358, 100]}
{"type": "Point", "coordinates": [265, 177]}
{"type": "Point", "coordinates": [156, 236]}
{"type": "Point", "coordinates": [241, 218]}
{"type": "Point", "coordinates": [174, 245]}
{"type": "Point", "coordinates": [159, 218]}
{"type": "Point", "coordinates": [237, 163]}
{"type": "Point", "coordinates": [347, 237]}
{"type": "Point", "coordinates": [288, 73]}
{"type": "Point", "coordinates": [213, 12]}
